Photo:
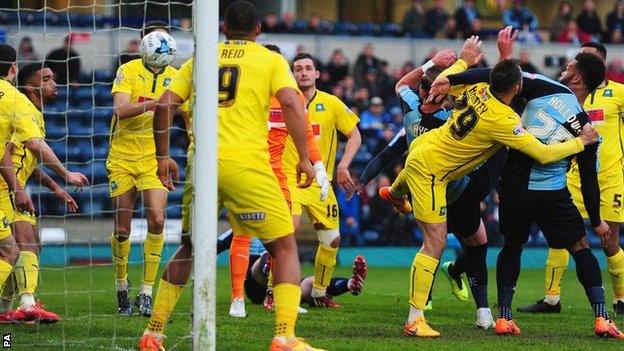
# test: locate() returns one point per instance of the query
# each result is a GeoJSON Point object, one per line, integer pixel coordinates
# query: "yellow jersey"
{"type": "Point", "coordinates": [249, 74]}
{"type": "Point", "coordinates": [132, 138]}
{"type": "Point", "coordinates": [20, 120]}
{"type": "Point", "coordinates": [605, 107]}
{"type": "Point", "coordinates": [479, 126]}
{"type": "Point", "coordinates": [328, 114]}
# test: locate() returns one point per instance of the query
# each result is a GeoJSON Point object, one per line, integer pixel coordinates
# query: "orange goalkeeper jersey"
{"type": "Point", "coordinates": [278, 133]}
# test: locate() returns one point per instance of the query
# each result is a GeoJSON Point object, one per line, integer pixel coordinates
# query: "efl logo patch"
{"type": "Point", "coordinates": [597, 115]}
{"type": "Point", "coordinates": [607, 93]}
{"type": "Point", "coordinates": [251, 216]}
{"type": "Point", "coordinates": [443, 211]}
{"type": "Point", "coordinates": [119, 78]}
{"type": "Point", "coordinates": [166, 82]}
{"type": "Point", "coordinates": [114, 185]}
{"type": "Point", "coordinates": [319, 107]}
{"type": "Point", "coordinates": [519, 129]}
{"type": "Point", "coordinates": [5, 222]}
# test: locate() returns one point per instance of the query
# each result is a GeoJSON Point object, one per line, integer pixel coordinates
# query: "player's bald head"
{"type": "Point", "coordinates": [596, 49]}
{"type": "Point", "coordinates": [241, 20]}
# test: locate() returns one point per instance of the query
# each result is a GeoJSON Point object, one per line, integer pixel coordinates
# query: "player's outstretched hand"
{"type": "Point", "coordinates": [304, 166]}
{"type": "Point", "coordinates": [322, 179]}
{"type": "Point", "coordinates": [439, 88]}
{"type": "Point", "coordinates": [23, 203]}
{"type": "Point", "coordinates": [77, 179]}
{"type": "Point", "coordinates": [64, 196]}
{"type": "Point", "coordinates": [506, 38]}
{"type": "Point", "coordinates": [167, 168]}
{"type": "Point", "coordinates": [603, 231]}
{"type": "Point", "coordinates": [344, 178]}
{"type": "Point", "coordinates": [589, 134]}
{"type": "Point", "coordinates": [471, 52]}
{"type": "Point", "coordinates": [356, 189]}
{"type": "Point", "coordinates": [444, 58]}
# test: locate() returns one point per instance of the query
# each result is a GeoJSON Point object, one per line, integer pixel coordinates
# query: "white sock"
{"type": "Point", "coordinates": [414, 313]}
{"type": "Point", "coordinates": [146, 289]}
{"type": "Point", "coordinates": [551, 299]}
{"type": "Point", "coordinates": [121, 284]}
{"type": "Point", "coordinates": [316, 293]}
{"type": "Point", "coordinates": [27, 300]}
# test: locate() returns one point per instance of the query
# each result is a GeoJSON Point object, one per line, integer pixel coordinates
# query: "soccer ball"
{"type": "Point", "coordinates": [158, 49]}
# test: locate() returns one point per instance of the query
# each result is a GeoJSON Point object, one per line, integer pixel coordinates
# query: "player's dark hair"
{"type": "Point", "coordinates": [428, 78]}
{"type": "Point", "coordinates": [504, 76]}
{"type": "Point", "coordinates": [151, 26]}
{"type": "Point", "coordinates": [305, 55]}
{"type": "Point", "coordinates": [592, 70]}
{"type": "Point", "coordinates": [26, 73]}
{"type": "Point", "coordinates": [8, 56]}
{"type": "Point", "coordinates": [241, 18]}
{"type": "Point", "coordinates": [273, 48]}
{"type": "Point", "coordinates": [599, 47]}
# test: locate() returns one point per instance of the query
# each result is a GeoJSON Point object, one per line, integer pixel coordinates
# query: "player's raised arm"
{"type": "Point", "coordinates": [442, 59]}
{"type": "Point", "coordinates": [46, 156]}
{"type": "Point", "coordinates": [124, 108]}
{"type": "Point", "coordinates": [294, 117]}
{"type": "Point", "coordinates": [506, 39]}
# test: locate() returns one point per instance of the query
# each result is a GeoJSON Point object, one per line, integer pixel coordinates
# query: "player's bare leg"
{"type": "Point", "coordinates": [154, 201]}
{"type": "Point", "coordinates": [27, 275]}
{"type": "Point", "coordinates": [174, 277]}
{"type": "Point", "coordinates": [123, 206]}
{"type": "Point", "coordinates": [421, 277]}
{"type": "Point", "coordinates": [8, 255]}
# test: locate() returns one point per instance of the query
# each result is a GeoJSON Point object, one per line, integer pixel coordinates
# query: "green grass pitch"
{"type": "Point", "coordinates": [85, 298]}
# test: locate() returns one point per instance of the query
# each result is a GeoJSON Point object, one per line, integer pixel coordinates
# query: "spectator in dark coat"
{"type": "Point", "coordinates": [65, 62]}
{"type": "Point", "coordinates": [558, 24]}
{"type": "Point", "coordinates": [365, 62]}
{"type": "Point", "coordinates": [588, 20]}
{"type": "Point", "coordinates": [414, 20]}
{"type": "Point", "coordinates": [338, 66]}
{"type": "Point", "coordinates": [466, 17]}
{"type": "Point", "coordinates": [615, 21]}
{"type": "Point", "coordinates": [436, 18]}
{"type": "Point", "coordinates": [520, 17]}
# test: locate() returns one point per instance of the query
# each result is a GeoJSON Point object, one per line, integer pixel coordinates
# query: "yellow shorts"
{"type": "Point", "coordinates": [611, 194]}
{"type": "Point", "coordinates": [428, 192]}
{"type": "Point", "coordinates": [124, 175]}
{"type": "Point", "coordinates": [252, 196]}
{"type": "Point", "coordinates": [324, 213]}
{"type": "Point", "coordinates": [8, 210]}
{"type": "Point", "coordinates": [187, 196]}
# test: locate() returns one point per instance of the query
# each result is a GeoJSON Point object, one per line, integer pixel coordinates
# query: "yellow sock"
{"type": "Point", "coordinates": [5, 271]}
{"type": "Point", "coordinates": [421, 278]}
{"type": "Point", "coordinates": [9, 289]}
{"type": "Point", "coordinates": [616, 270]}
{"type": "Point", "coordinates": [399, 186]}
{"type": "Point", "coordinates": [556, 265]}
{"type": "Point", "coordinates": [287, 298]}
{"type": "Point", "coordinates": [152, 249]}
{"type": "Point", "coordinates": [167, 296]}
{"type": "Point", "coordinates": [324, 264]}
{"type": "Point", "coordinates": [27, 272]}
{"type": "Point", "coordinates": [121, 250]}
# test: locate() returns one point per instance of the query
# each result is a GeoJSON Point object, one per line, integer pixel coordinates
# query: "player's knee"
{"type": "Point", "coordinates": [329, 237]}
{"type": "Point", "coordinates": [122, 232]}
{"type": "Point", "coordinates": [156, 223]}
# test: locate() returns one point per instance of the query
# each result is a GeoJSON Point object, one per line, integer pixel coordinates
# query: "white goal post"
{"type": "Point", "coordinates": [206, 24]}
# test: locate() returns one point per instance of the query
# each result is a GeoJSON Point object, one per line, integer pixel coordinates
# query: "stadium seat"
{"type": "Point", "coordinates": [344, 28]}
{"type": "Point", "coordinates": [391, 29]}
{"type": "Point", "coordinates": [368, 29]}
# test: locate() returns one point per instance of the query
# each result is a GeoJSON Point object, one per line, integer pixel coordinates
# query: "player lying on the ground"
{"type": "Point", "coordinates": [605, 107]}
{"type": "Point", "coordinates": [247, 187]}
{"type": "Point", "coordinates": [482, 122]}
{"type": "Point", "coordinates": [463, 196]}
{"type": "Point", "coordinates": [239, 251]}
{"type": "Point", "coordinates": [257, 276]}
{"type": "Point", "coordinates": [36, 82]}
{"type": "Point", "coordinates": [131, 162]}
{"type": "Point", "coordinates": [537, 193]}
